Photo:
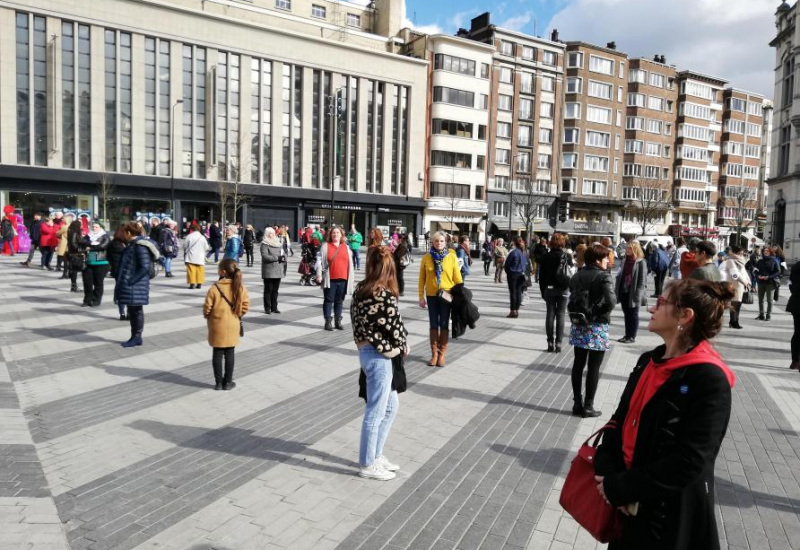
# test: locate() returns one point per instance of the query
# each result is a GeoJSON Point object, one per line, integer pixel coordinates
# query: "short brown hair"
{"type": "Point", "coordinates": [708, 300]}
{"type": "Point", "coordinates": [558, 240]}
{"type": "Point", "coordinates": [595, 254]}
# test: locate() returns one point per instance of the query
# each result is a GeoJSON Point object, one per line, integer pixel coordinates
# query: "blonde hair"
{"type": "Point", "coordinates": [637, 250]}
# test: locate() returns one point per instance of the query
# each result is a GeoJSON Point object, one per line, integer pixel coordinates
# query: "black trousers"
{"type": "Point", "coordinates": [796, 337]}
{"type": "Point", "coordinates": [591, 361]}
{"type": "Point", "coordinates": [516, 286]}
{"type": "Point", "coordinates": [736, 307]}
{"type": "Point", "coordinates": [248, 251]}
{"type": "Point", "coordinates": [271, 294]}
{"type": "Point", "coordinates": [216, 363]}
{"type": "Point", "coordinates": [486, 265]}
{"type": "Point", "coordinates": [136, 317]}
{"type": "Point", "coordinates": [93, 278]}
{"type": "Point", "coordinates": [401, 280]}
{"type": "Point", "coordinates": [660, 276]}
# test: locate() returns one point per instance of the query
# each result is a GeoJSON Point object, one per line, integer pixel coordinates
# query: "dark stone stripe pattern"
{"type": "Point", "coordinates": [21, 474]}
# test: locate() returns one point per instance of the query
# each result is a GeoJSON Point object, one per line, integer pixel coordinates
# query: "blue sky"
{"type": "Point", "coordinates": [724, 38]}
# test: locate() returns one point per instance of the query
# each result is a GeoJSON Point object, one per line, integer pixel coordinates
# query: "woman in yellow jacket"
{"type": "Point", "coordinates": [438, 273]}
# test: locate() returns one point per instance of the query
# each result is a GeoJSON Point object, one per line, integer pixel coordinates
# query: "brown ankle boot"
{"type": "Point", "coordinates": [434, 335]}
{"type": "Point", "coordinates": [443, 337]}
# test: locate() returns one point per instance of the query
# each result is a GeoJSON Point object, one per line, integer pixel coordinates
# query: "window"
{"type": "Point", "coordinates": [634, 146]}
{"type": "Point", "coordinates": [502, 156]}
{"type": "Point", "coordinates": [616, 142]}
{"type": "Point", "coordinates": [784, 148]}
{"type": "Point", "coordinates": [451, 128]}
{"type": "Point", "coordinates": [484, 102]}
{"type": "Point", "coordinates": [601, 65]}
{"type": "Point", "coordinates": [526, 109]}
{"type": "Point", "coordinates": [353, 20]}
{"type": "Point", "coordinates": [652, 172]}
{"type": "Point", "coordinates": [655, 103]}
{"type": "Point", "coordinates": [524, 134]}
{"type": "Point", "coordinates": [449, 190]}
{"type": "Point", "coordinates": [657, 80]}
{"type": "Point", "coordinates": [528, 53]}
{"type": "Point", "coordinates": [501, 183]}
{"type": "Point", "coordinates": [454, 64]}
{"type": "Point", "coordinates": [751, 172]}
{"type": "Point", "coordinates": [523, 162]}
{"type": "Point", "coordinates": [548, 84]}
{"type": "Point", "coordinates": [692, 195]}
{"type": "Point", "coordinates": [544, 161]}
{"type": "Point", "coordinates": [260, 96]}
{"type": "Point", "coordinates": [600, 90]}
{"type": "Point", "coordinates": [482, 132]}
{"type": "Point", "coordinates": [569, 160]}
{"type": "Point", "coordinates": [668, 129]}
{"type": "Point", "coordinates": [568, 185]}
{"type": "Point", "coordinates": [598, 139]}
{"type": "Point", "coordinates": [637, 76]}
{"type": "Point", "coordinates": [506, 48]}
{"type": "Point", "coordinates": [484, 70]}
{"type": "Point", "coordinates": [599, 115]}
{"type": "Point", "coordinates": [752, 151]}
{"type": "Point", "coordinates": [504, 102]}
{"type": "Point", "coordinates": [621, 69]}
{"type": "Point", "coordinates": [594, 163]}
{"type": "Point", "coordinates": [506, 75]}
{"type": "Point", "coordinates": [670, 106]}
{"type": "Point", "coordinates": [698, 90]}
{"type": "Point", "coordinates": [694, 153]}
{"type": "Point", "coordinates": [500, 209]}
{"type": "Point", "coordinates": [526, 83]}
{"type": "Point", "coordinates": [691, 131]}
{"type": "Point", "coordinates": [734, 170]}
{"type": "Point", "coordinates": [575, 60]}
{"type": "Point", "coordinates": [595, 187]}
{"type": "Point", "coordinates": [545, 135]}
{"type": "Point", "coordinates": [788, 81]}
{"type": "Point", "coordinates": [451, 159]}
{"type": "Point", "coordinates": [571, 135]}
{"type": "Point", "coordinates": [735, 104]}
{"type": "Point", "coordinates": [503, 129]}
{"type": "Point", "coordinates": [572, 110]}
{"type": "Point", "coordinates": [574, 85]}
{"type": "Point", "coordinates": [549, 58]}
{"type": "Point", "coordinates": [636, 100]}
{"type": "Point", "coordinates": [283, 4]}
{"type": "Point", "coordinates": [620, 94]}
{"type": "Point", "coordinates": [481, 164]}
{"type": "Point", "coordinates": [703, 112]}
{"type": "Point", "coordinates": [451, 95]}
{"type": "Point", "coordinates": [320, 12]}
{"type": "Point", "coordinates": [755, 109]}
{"type": "Point", "coordinates": [694, 174]}
{"type": "Point", "coordinates": [634, 123]}
{"type": "Point", "coordinates": [632, 170]}
{"type": "Point", "coordinates": [654, 126]}
{"type": "Point", "coordinates": [546, 110]}
{"type": "Point", "coordinates": [734, 126]}
{"type": "Point", "coordinates": [753, 130]}
{"type": "Point", "coordinates": [652, 149]}
{"type": "Point", "coordinates": [732, 148]}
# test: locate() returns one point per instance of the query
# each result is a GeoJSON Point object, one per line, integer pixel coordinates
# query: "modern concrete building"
{"type": "Point", "coordinates": [527, 90]}
{"type": "Point", "coordinates": [783, 205]}
{"type": "Point", "coordinates": [250, 92]}
{"type": "Point", "coordinates": [459, 84]}
{"type": "Point", "coordinates": [650, 122]}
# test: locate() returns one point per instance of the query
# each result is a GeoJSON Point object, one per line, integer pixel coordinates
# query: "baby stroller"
{"type": "Point", "coordinates": [308, 276]}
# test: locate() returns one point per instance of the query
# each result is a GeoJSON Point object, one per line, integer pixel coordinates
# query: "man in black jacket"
{"type": "Point", "coordinates": [214, 240]}
{"type": "Point", "coordinates": [35, 232]}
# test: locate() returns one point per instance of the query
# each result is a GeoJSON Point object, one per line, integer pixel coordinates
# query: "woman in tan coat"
{"type": "Point", "coordinates": [226, 303]}
{"type": "Point", "coordinates": [61, 248]}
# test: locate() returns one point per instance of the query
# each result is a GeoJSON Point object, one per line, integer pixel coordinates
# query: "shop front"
{"type": "Point", "coordinates": [28, 203]}
{"type": "Point", "coordinates": [590, 229]}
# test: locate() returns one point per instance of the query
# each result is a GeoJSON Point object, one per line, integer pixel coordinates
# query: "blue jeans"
{"type": "Point", "coordinates": [167, 263]}
{"type": "Point", "coordinates": [438, 312]}
{"type": "Point", "coordinates": [334, 298]}
{"type": "Point", "coordinates": [215, 251]}
{"type": "Point", "coordinates": [382, 404]}
{"type": "Point", "coordinates": [356, 259]}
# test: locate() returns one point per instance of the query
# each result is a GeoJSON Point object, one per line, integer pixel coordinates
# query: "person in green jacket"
{"type": "Point", "coordinates": [354, 239]}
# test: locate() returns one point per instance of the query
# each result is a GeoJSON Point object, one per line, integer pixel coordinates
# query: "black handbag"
{"type": "Point", "coordinates": [747, 297]}
{"type": "Point", "coordinates": [77, 262]}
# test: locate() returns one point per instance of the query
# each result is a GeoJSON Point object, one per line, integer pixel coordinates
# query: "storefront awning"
{"type": "Point", "coordinates": [447, 226]}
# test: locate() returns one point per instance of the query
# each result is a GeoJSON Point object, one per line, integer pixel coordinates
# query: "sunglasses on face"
{"type": "Point", "coordinates": [661, 302]}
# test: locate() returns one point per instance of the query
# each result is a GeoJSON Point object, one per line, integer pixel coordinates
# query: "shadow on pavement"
{"type": "Point", "coordinates": [738, 496]}
{"type": "Point", "coordinates": [438, 392]}
{"type": "Point", "coordinates": [156, 376]}
{"type": "Point", "coordinates": [545, 460]}
{"type": "Point", "coordinates": [245, 443]}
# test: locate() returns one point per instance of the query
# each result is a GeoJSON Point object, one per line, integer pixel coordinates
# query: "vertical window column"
{"type": "Point", "coordinates": [379, 137]}
{"type": "Point", "coordinates": [404, 140]}
{"type": "Point", "coordinates": [255, 130]}
{"type": "Point", "coordinates": [23, 89]}
{"type": "Point", "coordinates": [31, 74]}
{"type": "Point", "coordinates": [292, 102]}
{"type": "Point", "coordinates": [266, 121]}
{"type": "Point", "coordinates": [370, 135]}
{"type": "Point", "coordinates": [297, 118]}
{"type": "Point", "coordinates": [40, 90]}
{"type": "Point", "coordinates": [317, 116]}
{"type": "Point", "coordinates": [124, 69]}
{"type": "Point", "coordinates": [84, 97]}
{"type": "Point", "coordinates": [187, 93]}
{"type": "Point", "coordinates": [341, 133]}
{"type": "Point", "coordinates": [67, 94]}
{"type": "Point", "coordinates": [229, 144]}
{"type": "Point", "coordinates": [395, 137]}
{"type": "Point", "coordinates": [164, 110]}
{"type": "Point", "coordinates": [352, 134]}
{"type": "Point", "coordinates": [150, 105]}
{"type": "Point", "coordinates": [110, 73]}
{"type": "Point", "coordinates": [199, 113]}
{"type": "Point", "coordinates": [222, 116]}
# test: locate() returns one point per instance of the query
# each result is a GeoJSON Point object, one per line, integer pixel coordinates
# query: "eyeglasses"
{"type": "Point", "coordinates": [661, 302]}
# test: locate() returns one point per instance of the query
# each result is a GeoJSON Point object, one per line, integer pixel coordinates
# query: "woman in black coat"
{"type": "Point", "coordinates": [554, 289]}
{"type": "Point", "coordinates": [656, 462]}
{"type": "Point", "coordinates": [793, 307]}
{"type": "Point", "coordinates": [76, 255]}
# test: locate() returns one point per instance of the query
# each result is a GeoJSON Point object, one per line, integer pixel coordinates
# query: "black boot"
{"type": "Point", "coordinates": [577, 407]}
{"type": "Point", "coordinates": [328, 324]}
{"type": "Point", "coordinates": [74, 287]}
{"type": "Point", "coordinates": [589, 410]}
{"type": "Point", "coordinates": [339, 323]}
{"type": "Point", "coordinates": [550, 346]}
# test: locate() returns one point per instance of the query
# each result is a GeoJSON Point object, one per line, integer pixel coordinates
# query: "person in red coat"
{"type": "Point", "coordinates": [48, 242]}
{"type": "Point", "coordinates": [656, 462]}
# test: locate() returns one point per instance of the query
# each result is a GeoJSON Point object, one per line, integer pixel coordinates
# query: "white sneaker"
{"type": "Point", "coordinates": [376, 472]}
{"type": "Point", "coordinates": [384, 463]}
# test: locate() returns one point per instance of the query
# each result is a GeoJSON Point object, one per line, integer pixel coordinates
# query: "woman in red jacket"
{"type": "Point", "coordinates": [48, 242]}
{"type": "Point", "coordinates": [656, 462]}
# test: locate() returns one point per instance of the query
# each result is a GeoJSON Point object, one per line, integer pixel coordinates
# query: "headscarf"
{"type": "Point", "coordinates": [270, 238]}
{"type": "Point", "coordinates": [627, 271]}
{"type": "Point", "coordinates": [94, 236]}
{"type": "Point", "coordinates": [438, 258]}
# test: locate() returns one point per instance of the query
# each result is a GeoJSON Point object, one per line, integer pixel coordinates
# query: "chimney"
{"type": "Point", "coordinates": [664, 59]}
{"type": "Point", "coordinates": [554, 35]}
{"type": "Point", "coordinates": [462, 32]}
{"type": "Point", "coordinates": [389, 18]}
{"type": "Point", "coordinates": [611, 45]}
{"type": "Point", "coordinates": [657, 59]}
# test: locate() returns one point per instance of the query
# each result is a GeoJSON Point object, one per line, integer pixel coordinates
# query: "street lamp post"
{"type": "Point", "coordinates": [172, 161]}
{"type": "Point", "coordinates": [511, 187]}
{"type": "Point", "coordinates": [336, 112]}
{"type": "Point", "coordinates": [452, 197]}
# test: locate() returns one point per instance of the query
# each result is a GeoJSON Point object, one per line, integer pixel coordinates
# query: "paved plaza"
{"type": "Point", "coordinates": [109, 448]}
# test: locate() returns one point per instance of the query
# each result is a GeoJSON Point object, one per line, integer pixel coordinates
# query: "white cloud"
{"type": "Point", "coordinates": [516, 22]}
{"type": "Point", "coordinates": [428, 28]}
{"type": "Point", "coordinates": [723, 38]}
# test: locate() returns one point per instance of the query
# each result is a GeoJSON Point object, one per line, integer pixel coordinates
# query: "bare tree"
{"type": "Point", "coordinates": [230, 188]}
{"type": "Point", "coordinates": [105, 191]}
{"type": "Point", "coordinates": [530, 203]}
{"type": "Point", "coordinates": [650, 200]}
{"type": "Point", "coordinates": [742, 200]}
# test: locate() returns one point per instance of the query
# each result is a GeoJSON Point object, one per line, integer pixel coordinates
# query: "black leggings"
{"type": "Point", "coordinates": [583, 358]}
{"type": "Point", "coordinates": [271, 287]}
{"type": "Point", "coordinates": [216, 362]}
{"type": "Point", "coordinates": [796, 337]}
{"type": "Point", "coordinates": [248, 250]}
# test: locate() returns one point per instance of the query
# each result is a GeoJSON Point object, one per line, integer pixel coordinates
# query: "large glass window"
{"type": "Point", "coordinates": [31, 43]}
{"type": "Point", "coordinates": [76, 97]}
{"type": "Point", "coordinates": [67, 94]}
{"type": "Point", "coordinates": [260, 111]}
{"type": "Point", "coordinates": [84, 95]}
{"type": "Point", "coordinates": [124, 68]}
{"type": "Point", "coordinates": [230, 146]}
{"type": "Point", "coordinates": [23, 90]}
{"type": "Point", "coordinates": [455, 64]}
{"type": "Point", "coordinates": [352, 133]}
{"type": "Point", "coordinates": [150, 105]}
{"type": "Point", "coordinates": [110, 54]}
{"type": "Point", "coordinates": [41, 143]}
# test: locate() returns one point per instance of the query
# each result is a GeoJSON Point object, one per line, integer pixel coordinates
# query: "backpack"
{"type": "Point", "coordinates": [565, 272]}
{"type": "Point", "coordinates": [580, 306]}
{"type": "Point", "coordinates": [406, 260]}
